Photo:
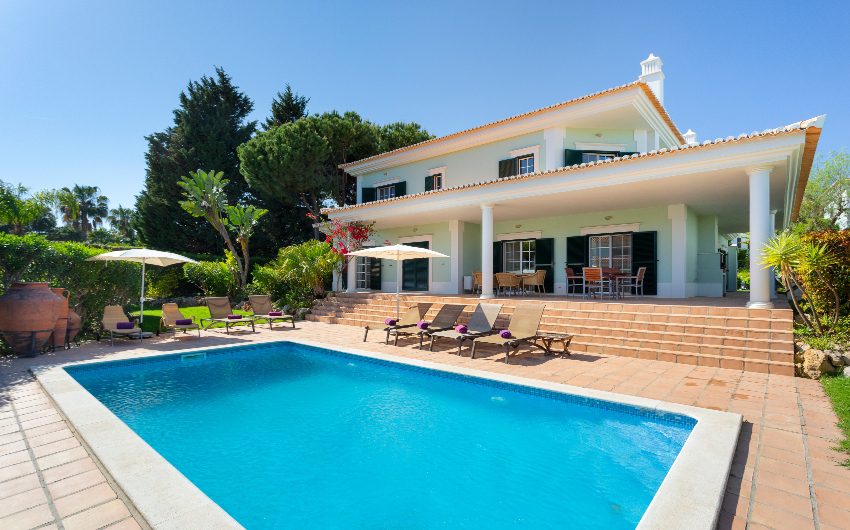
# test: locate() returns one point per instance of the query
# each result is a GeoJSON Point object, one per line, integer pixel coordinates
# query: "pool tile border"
{"type": "Point", "coordinates": [689, 497]}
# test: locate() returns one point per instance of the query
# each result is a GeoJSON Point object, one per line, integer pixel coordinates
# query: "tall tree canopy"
{"type": "Point", "coordinates": [210, 123]}
{"type": "Point", "coordinates": [287, 107]}
{"type": "Point", "coordinates": [83, 208]}
{"type": "Point", "coordinates": [826, 204]}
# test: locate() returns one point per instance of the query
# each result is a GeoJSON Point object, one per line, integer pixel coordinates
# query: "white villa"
{"type": "Point", "coordinates": [605, 180]}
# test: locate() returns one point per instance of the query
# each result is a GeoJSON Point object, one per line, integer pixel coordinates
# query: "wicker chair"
{"type": "Point", "coordinates": [508, 282]}
{"type": "Point", "coordinates": [535, 282]}
{"type": "Point", "coordinates": [477, 282]}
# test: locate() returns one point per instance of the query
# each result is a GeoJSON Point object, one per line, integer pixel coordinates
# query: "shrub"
{"type": "Point", "coordinates": [298, 274]}
{"type": "Point", "coordinates": [834, 276]}
{"type": "Point", "coordinates": [213, 278]}
{"type": "Point", "coordinates": [33, 258]}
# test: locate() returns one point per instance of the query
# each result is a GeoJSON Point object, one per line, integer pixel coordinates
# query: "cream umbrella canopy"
{"type": "Point", "coordinates": [144, 256]}
{"type": "Point", "coordinates": [397, 253]}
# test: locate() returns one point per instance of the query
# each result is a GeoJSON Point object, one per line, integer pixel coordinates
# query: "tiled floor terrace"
{"type": "Point", "coordinates": [785, 474]}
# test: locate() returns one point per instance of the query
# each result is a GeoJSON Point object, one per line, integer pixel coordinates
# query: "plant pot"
{"type": "Point", "coordinates": [61, 327]}
{"type": "Point", "coordinates": [28, 313]}
{"type": "Point", "coordinates": [75, 323]}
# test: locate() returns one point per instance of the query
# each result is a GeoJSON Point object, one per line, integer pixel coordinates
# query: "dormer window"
{"type": "Point", "coordinates": [525, 165]}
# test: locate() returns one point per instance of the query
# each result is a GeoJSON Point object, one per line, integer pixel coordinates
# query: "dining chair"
{"type": "Point", "coordinates": [477, 279]}
{"type": "Point", "coordinates": [629, 283]}
{"type": "Point", "coordinates": [574, 281]}
{"type": "Point", "coordinates": [508, 282]}
{"type": "Point", "coordinates": [593, 281]}
{"type": "Point", "coordinates": [535, 281]}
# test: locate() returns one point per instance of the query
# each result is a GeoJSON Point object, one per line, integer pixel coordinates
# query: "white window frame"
{"type": "Point", "coordinates": [596, 157]}
{"type": "Point", "coordinates": [606, 242]}
{"type": "Point", "coordinates": [519, 162]}
{"type": "Point", "coordinates": [389, 188]}
{"type": "Point", "coordinates": [441, 173]}
{"type": "Point", "coordinates": [527, 256]}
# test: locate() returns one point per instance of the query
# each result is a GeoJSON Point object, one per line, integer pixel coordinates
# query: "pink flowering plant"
{"type": "Point", "coordinates": [343, 237]}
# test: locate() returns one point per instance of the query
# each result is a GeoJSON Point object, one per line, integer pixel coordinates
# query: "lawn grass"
{"type": "Point", "coordinates": [152, 316]}
{"type": "Point", "coordinates": [838, 390]}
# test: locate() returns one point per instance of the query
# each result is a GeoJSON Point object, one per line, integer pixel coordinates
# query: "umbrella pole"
{"type": "Point", "coordinates": [142, 297]}
{"type": "Point", "coordinates": [397, 285]}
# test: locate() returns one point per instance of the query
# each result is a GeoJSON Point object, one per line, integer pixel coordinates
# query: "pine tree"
{"type": "Point", "coordinates": [287, 107]}
{"type": "Point", "coordinates": [210, 123]}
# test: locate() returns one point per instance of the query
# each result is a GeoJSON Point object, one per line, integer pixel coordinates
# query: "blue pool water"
{"type": "Point", "coordinates": [287, 435]}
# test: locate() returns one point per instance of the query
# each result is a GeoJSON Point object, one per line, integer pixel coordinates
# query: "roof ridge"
{"type": "Point", "coordinates": [816, 121]}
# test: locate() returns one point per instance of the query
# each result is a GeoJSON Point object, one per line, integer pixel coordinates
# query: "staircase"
{"type": "Point", "coordinates": [756, 340]}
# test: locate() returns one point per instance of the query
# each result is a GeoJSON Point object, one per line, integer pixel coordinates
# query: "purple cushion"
{"type": "Point", "coordinates": [275, 313]}
{"type": "Point", "coordinates": [422, 324]}
{"type": "Point", "coordinates": [124, 325]}
{"type": "Point", "coordinates": [234, 317]}
{"type": "Point", "coordinates": [461, 328]}
{"type": "Point", "coordinates": [183, 321]}
{"type": "Point", "coordinates": [505, 334]}
{"type": "Point", "coordinates": [390, 322]}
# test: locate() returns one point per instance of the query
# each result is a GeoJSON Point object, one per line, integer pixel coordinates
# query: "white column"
{"type": "Point", "coordinates": [641, 142]}
{"type": "Point", "coordinates": [351, 275]}
{"type": "Point", "coordinates": [677, 213]}
{"type": "Point", "coordinates": [486, 251]}
{"type": "Point", "coordinates": [456, 257]}
{"type": "Point", "coordinates": [772, 270]}
{"type": "Point", "coordinates": [759, 234]}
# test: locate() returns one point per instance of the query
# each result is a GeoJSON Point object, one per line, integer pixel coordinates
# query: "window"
{"type": "Point", "coordinates": [362, 271]}
{"type": "Point", "coordinates": [519, 256]}
{"type": "Point", "coordinates": [613, 251]}
{"type": "Point", "coordinates": [525, 165]}
{"type": "Point", "coordinates": [596, 157]}
{"type": "Point", "coordinates": [438, 181]}
{"type": "Point", "coordinates": [385, 192]}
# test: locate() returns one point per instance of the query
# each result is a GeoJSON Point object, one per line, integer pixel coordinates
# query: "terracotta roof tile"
{"type": "Point", "coordinates": [657, 104]}
{"type": "Point", "coordinates": [794, 127]}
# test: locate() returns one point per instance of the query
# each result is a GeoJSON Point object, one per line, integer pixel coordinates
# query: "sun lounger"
{"type": "Point", "coordinates": [262, 306]}
{"type": "Point", "coordinates": [523, 328]}
{"type": "Point", "coordinates": [481, 323]}
{"type": "Point", "coordinates": [172, 319]}
{"type": "Point", "coordinates": [220, 311]}
{"type": "Point", "coordinates": [445, 319]}
{"type": "Point", "coordinates": [409, 319]}
{"type": "Point", "coordinates": [113, 316]}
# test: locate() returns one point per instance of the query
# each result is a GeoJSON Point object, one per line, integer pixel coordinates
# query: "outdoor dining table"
{"type": "Point", "coordinates": [613, 276]}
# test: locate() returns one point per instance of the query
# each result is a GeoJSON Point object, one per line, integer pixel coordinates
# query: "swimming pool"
{"type": "Point", "coordinates": [286, 434]}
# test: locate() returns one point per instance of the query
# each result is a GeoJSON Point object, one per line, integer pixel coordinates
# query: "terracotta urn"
{"type": "Point", "coordinates": [28, 313]}
{"type": "Point", "coordinates": [75, 322]}
{"type": "Point", "coordinates": [61, 327]}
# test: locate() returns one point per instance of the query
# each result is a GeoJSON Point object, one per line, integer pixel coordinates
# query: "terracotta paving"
{"type": "Point", "coordinates": [785, 473]}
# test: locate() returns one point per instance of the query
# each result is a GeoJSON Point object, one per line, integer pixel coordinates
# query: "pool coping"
{"type": "Point", "coordinates": [689, 497]}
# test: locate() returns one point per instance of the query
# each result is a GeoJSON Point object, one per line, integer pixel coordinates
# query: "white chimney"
{"type": "Point", "coordinates": [690, 137]}
{"type": "Point", "coordinates": [652, 75]}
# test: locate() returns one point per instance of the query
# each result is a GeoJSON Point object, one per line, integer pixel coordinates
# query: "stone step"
{"type": "Point", "coordinates": [729, 337]}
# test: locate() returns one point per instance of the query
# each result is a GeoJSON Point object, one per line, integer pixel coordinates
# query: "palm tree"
{"type": "Point", "coordinates": [83, 208]}
{"type": "Point", "coordinates": [120, 218]}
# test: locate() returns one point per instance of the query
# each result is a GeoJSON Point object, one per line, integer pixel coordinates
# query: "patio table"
{"type": "Point", "coordinates": [545, 340]}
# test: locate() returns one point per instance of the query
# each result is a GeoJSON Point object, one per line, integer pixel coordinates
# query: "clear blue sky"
{"type": "Point", "coordinates": [82, 83]}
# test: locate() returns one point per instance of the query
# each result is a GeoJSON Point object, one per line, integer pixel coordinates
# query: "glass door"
{"type": "Point", "coordinates": [611, 251]}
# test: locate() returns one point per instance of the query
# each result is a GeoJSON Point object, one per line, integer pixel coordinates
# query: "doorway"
{"type": "Point", "coordinates": [414, 272]}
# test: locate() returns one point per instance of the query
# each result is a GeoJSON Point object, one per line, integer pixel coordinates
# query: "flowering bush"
{"type": "Point", "coordinates": [341, 236]}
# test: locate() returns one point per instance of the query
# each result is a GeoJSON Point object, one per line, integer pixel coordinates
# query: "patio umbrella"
{"type": "Point", "coordinates": [145, 256]}
{"type": "Point", "coordinates": [397, 253]}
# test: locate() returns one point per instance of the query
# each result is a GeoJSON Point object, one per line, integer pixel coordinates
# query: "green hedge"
{"type": "Point", "coordinates": [93, 285]}
{"type": "Point", "coordinates": [838, 274]}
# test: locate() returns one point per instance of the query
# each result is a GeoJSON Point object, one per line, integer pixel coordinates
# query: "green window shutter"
{"type": "Point", "coordinates": [644, 254]}
{"type": "Point", "coordinates": [368, 194]}
{"type": "Point", "coordinates": [375, 274]}
{"type": "Point", "coordinates": [577, 253]}
{"type": "Point", "coordinates": [498, 258]}
{"type": "Point", "coordinates": [507, 168]}
{"type": "Point", "coordinates": [544, 259]}
{"type": "Point", "coordinates": [400, 188]}
{"type": "Point", "coordinates": [429, 183]}
{"type": "Point", "coordinates": [572, 157]}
